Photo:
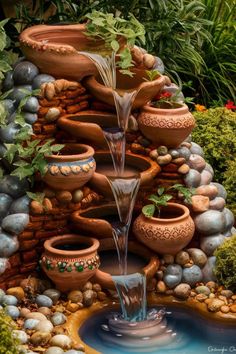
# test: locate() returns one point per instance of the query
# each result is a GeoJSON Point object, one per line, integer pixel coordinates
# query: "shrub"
{"type": "Point", "coordinates": [8, 344]}
{"type": "Point", "coordinates": [225, 269]}
{"type": "Point", "coordinates": [215, 132]}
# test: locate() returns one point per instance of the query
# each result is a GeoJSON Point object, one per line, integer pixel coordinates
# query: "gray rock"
{"type": "Point", "coordinates": [217, 203]}
{"type": "Point", "coordinates": [198, 256]}
{"type": "Point", "coordinates": [30, 118]}
{"type": "Point", "coordinates": [31, 323]}
{"type": "Point", "coordinates": [174, 153]}
{"type": "Point", "coordinates": [9, 300]}
{"type": "Point", "coordinates": [41, 79]}
{"type": "Point", "coordinates": [221, 190]}
{"type": "Point", "coordinates": [210, 243]}
{"type": "Point", "coordinates": [196, 149]}
{"type": "Point", "coordinates": [206, 177]}
{"type": "Point", "coordinates": [210, 222]}
{"type": "Point", "coordinates": [9, 245]}
{"type": "Point", "coordinates": [8, 133]}
{"type": "Point", "coordinates": [202, 289]}
{"type": "Point", "coordinates": [192, 178]}
{"type": "Point", "coordinates": [172, 275]}
{"type": "Point", "coordinates": [184, 152]}
{"type": "Point", "coordinates": [196, 162]}
{"type": "Point", "coordinates": [5, 202]}
{"type": "Point", "coordinates": [54, 294]}
{"type": "Point", "coordinates": [182, 291]}
{"type": "Point", "coordinates": [24, 73]}
{"type": "Point", "coordinates": [9, 106]}
{"type": "Point", "coordinates": [207, 271]}
{"type": "Point", "coordinates": [12, 311]}
{"type": "Point", "coordinates": [4, 264]}
{"type": "Point", "coordinates": [54, 350]}
{"type": "Point", "coordinates": [73, 351]}
{"type": "Point", "coordinates": [15, 223]}
{"type": "Point", "coordinates": [58, 318]}
{"type": "Point", "coordinates": [88, 297]}
{"type": "Point", "coordinates": [19, 92]}
{"type": "Point", "coordinates": [20, 335]}
{"type": "Point", "coordinates": [20, 205]}
{"type": "Point", "coordinates": [8, 82]}
{"type": "Point", "coordinates": [159, 65]}
{"type": "Point", "coordinates": [229, 219]}
{"type": "Point", "coordinates": [13, 186]}
{"type": "Point", "coordinates": [43, 300]}
{"type": "Point", "coordinates": [209, 168]}
{"type": "Point", "coordinates": [31, 105]}
{"type": "Point", "coordinates": [192, 275]}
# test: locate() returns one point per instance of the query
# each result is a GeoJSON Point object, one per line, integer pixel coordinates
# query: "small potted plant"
{"type": "Point", "coordinates": [164, 226]}
{"type": "Point", "coordinates": [165, 121]}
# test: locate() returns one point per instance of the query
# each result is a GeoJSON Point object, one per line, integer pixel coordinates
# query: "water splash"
{"type": "Point", "coordinates": [123, 105]}
{"type": "Point", "coordinates": [115, 138]}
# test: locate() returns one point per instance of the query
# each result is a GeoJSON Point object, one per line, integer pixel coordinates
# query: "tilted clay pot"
{"type": "Point", "coordinates": [166, 235]}
{"type": "Point", "coordinates": [166, 126]}
{"type": "Point", "coordinates": [150, 269]}
{"type": "Point", "coordinates": [94, 221]}
{"type": "Point", "coordinates": [54, 50]}
{"type": "Point", "coordinates": [146, 89]}
{"type": "Point", "coordinates": [147, 168]}
{"type": "Point", "coordinates": [88, 125]}
{"type": "Point", "coordinates": [71, 169]}
{"type": "Point", "coordinates": [70, 260]}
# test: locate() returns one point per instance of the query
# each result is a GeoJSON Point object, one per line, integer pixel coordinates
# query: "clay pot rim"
{"type": "Point", "coordinates": [89, 152]}
{"type": "Point", "coordinates": [110, 205]}
{"type": "Point", "coordinates": [93, 244]}
{"type": "Point", "coordinates": [171, 111]}
{"type": "Point", "coordinates": [178, 206]}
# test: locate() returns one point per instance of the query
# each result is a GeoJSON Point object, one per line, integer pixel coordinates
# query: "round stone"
{"type": "Point", "coordinates": [75, 296]}
{"type": "Point", "coordinates": [54, 294]}
{"type": "Point", "coordinates": [161, 286]}
{"type": "Point", "coordinates": [196, 162]}
{"type": "Point", "coordinates": [228, 219]}
{"type": "Point", "coordinates": [164, 160]}
{"type": "Point", "coordinates": [19, 92]}
{"type": "Point", "coordinates": [30, 118]}
{"type": "Point", "coordinates": [88, 296]}
{"type": "Point", "coordinates": [196, 149]}
{"type": "Point", "coordinates": [182, 291]}
{"type": "Point", "coordinates": [44, 326]}
{"type": "Point", "coordinates": [30, 323]}
{"type": "Point", "coordinates": [221, 190]}
{"type": "Point", "coordinates": [17, 291]}
{"type": "Point", "coordinates": [174, 153]}
{"type": "Point", "coordinates": [31, 105]}
{"type": "Point", "coordinates": [40, 338]}
{"type": "Point", "coordinates": [2, 293]}
{"type": "Point", "coordinates": [207, 190]}
{"type": "Point", "coordinates": [192, 179]}
{"type": "Point", "coordinates": [162, 150]}
{"type": "Point", "coordinates": [5, 202]}
{"type": "Point", "coordinates": [215, 304]}
{"type": "Point", "coordinates": [20, 205]}
{"type": "Point", "coordinates": [168, 258]}
{"type": "Point", "coordinates": [217, 203]}
{"type": "Point", "coordinates": [198, 256]}
{"type": "Point", "coordinates": [202, 289]}
{"type": "Point", "coordinates": [206, 177]}
{"type": "Point", "coordinates": [184, 152]}
{"type": "Point", "coordinates": [12, 311]}
{"type": "Point", "coordinates": [52, 114]}
{"type": "Point", "coordinates": [41, 79]}
{"type": "Point", "coordinates": [209, 168]}
{"type": "Point", "coordinates": [9, 300]}
{"type": "Point", "coordinates": [58, 318]}
{"type": "Point", "coordinates": [8, 133]}
{"type": "Point", "coordinates": [9, 106]}
{"type": "Point", "coordinates": [45, 311]}
{"type": "Point", "coordinates": [9, 244]}
{"type": "Point", "coordinates": [54, 350]}
{"type": "Point", "coordinates": [192, 275]}
{"type": "Point", "coordinates": [159, 65]}
{"type": "Point", "coordinates": [20, 335]}
{"type": "Point", "coordinates": [210, 222]}
{"type": "Point", "coordinates": [43, 300]}
{"type": "Point", "coordinates": [200, 203]}
{"type": "Point", "coordinates": [182, 258]}
{"type": "Point", "coordinates": [36, 315]}
{"type": "Point", "coordinates": [172, 275]}
{"type": "Point", "coordinates": [15, 223]}
{"type": "Point", "coordinates": [210, 243]}
{"type": "Point", "coordinates": [8, 82]}
{"type": "Point", "coordinates": [73, 351]}
{"type": "Point", "coordinates": [62, 341]}
{"type": "Point", "coordinates": [208, 270]}
{"type": "Point", "coordinates": [13, 186]}
{"type": "Point", "coordinates": [24, 73]}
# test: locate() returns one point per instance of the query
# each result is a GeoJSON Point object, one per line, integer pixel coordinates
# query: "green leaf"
{"type": "Point", "coordinates": [3, 115]}
{"type": "Point", "coordinates": [23, 172]}
{"type": "Point", "coordinates": [12, 149]}
{"type": "Point", "coordinates": [38, 197]}
{"type": "Point", "coordinates": [148, 210]}
{"type": "Point", "coordinates": [1, 172]}
{"type": "Point", "coordinates": [115, 45]}
{"type": "Point", "coordinates": [160, 190]}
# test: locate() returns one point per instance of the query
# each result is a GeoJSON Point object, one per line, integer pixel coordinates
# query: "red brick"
{"type": "Point", "coordinates": [171, 167]}
{"type": "Point", "coordinates": [28, 245]}
{"type": "Point", "coordinates": [26, 235]}
{"type": "Point", "coordinates": [51, 233]}
{"type": "Point", "coordinates": [54, 224]}
{"type": "Point", "coordinates": [14, 260]}
{"type": "Point", "coordinates": [29, 256]}
{"type": "Point", "coordinates": [28, 267]}
{"type": "Point", "coordinates": [34, 226]}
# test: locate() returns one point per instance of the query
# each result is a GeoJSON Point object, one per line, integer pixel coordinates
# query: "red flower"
{"type": "Point", "coordinates": [163, 95]}
{"type": "Point", "coordinates": [230, 105]}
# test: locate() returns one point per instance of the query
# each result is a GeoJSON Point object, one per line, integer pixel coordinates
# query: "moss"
{"type": "Point", "coordinates": [225, 269]}
{"type": "Point", "coordinates": [215, 133]}
{"type": "Point", "coordinates": [8, 344]}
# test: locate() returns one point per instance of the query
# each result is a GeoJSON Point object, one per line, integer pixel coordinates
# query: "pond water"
{"type": "Point", "coordinates": [193, 334]}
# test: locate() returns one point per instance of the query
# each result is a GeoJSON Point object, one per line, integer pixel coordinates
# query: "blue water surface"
{"type": "Point", "coordinates": [196, 334]}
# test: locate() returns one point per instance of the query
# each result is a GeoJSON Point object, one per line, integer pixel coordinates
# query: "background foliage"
{"type": "Point", "coordinates": [8, 344]}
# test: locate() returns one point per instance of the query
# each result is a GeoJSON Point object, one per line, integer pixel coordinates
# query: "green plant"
{"type": "Point", "coordinates": [110, 28]}
{"type": "Point", "coordinates": [225, 268]}
{"type": "Point", "coordinates": [8, 344]}
{"type": "Point", "coordinates": [151, 75]}
{"type": "Point", "coordinates": [161, 199]}
{"type": "Point", "coordinates": [215, 132]}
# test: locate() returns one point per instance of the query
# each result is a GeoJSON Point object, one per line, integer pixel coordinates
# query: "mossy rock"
{"type": "Point", "coordinates": [225, 269]}
{"type": "Point", "coordinates": [8, 344]}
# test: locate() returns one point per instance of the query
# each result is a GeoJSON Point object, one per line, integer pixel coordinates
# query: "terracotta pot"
{"type": "Point", "coordinates": [72, 169]}
{"type": "Point", "coordinates": [70, 269]}
{"type": "Point", "coordinates": [150, 269]}
{"type": "Point", "coordinates": [54, 49]}
{"type": "Point", "coordinates": [147, 168]}
{"type": "Point", "coordinates": [146, 89]}
{"type": "Point", "coordinates": [87, 125]}
{"type": "Point", "coordinates": [166, 126]}
{"type": "Point", "coordinates": [93, 220]}
{"type": "Point", "coordinates": [166, 235]}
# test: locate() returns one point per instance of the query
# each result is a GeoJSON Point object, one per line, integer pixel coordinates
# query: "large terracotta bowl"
{"type": "Point", "coordinates": [88, 125]}
{"type": "Point", "coordinates": [168, 234]}
{"type": "Point", "coordinates": [146, 89]}
{"type": "Point", "coordinates": [149, 262]}
{"type": "Point", "coordinates": [134, 164]}
{"type": "Point", "coordinates": [54, 49]}
{"type": "Point", "coordinates": [70, 169]}
{"type": "Point", "coordinates": [166, 126]}
{"type": "Point", "coordinates": [95, 221]}
{"type": "Point", "coordinates": [70, 260]}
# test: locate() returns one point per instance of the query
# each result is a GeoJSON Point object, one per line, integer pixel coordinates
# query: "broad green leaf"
{"type": "Point", "coordinates": [38, 197]}
{"type": "Point", "coordinates": [148, 210]}
{"type": "Point", "coordinates": [115, 45]}
{"type": "Point", "coordinates": [160, 191]}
